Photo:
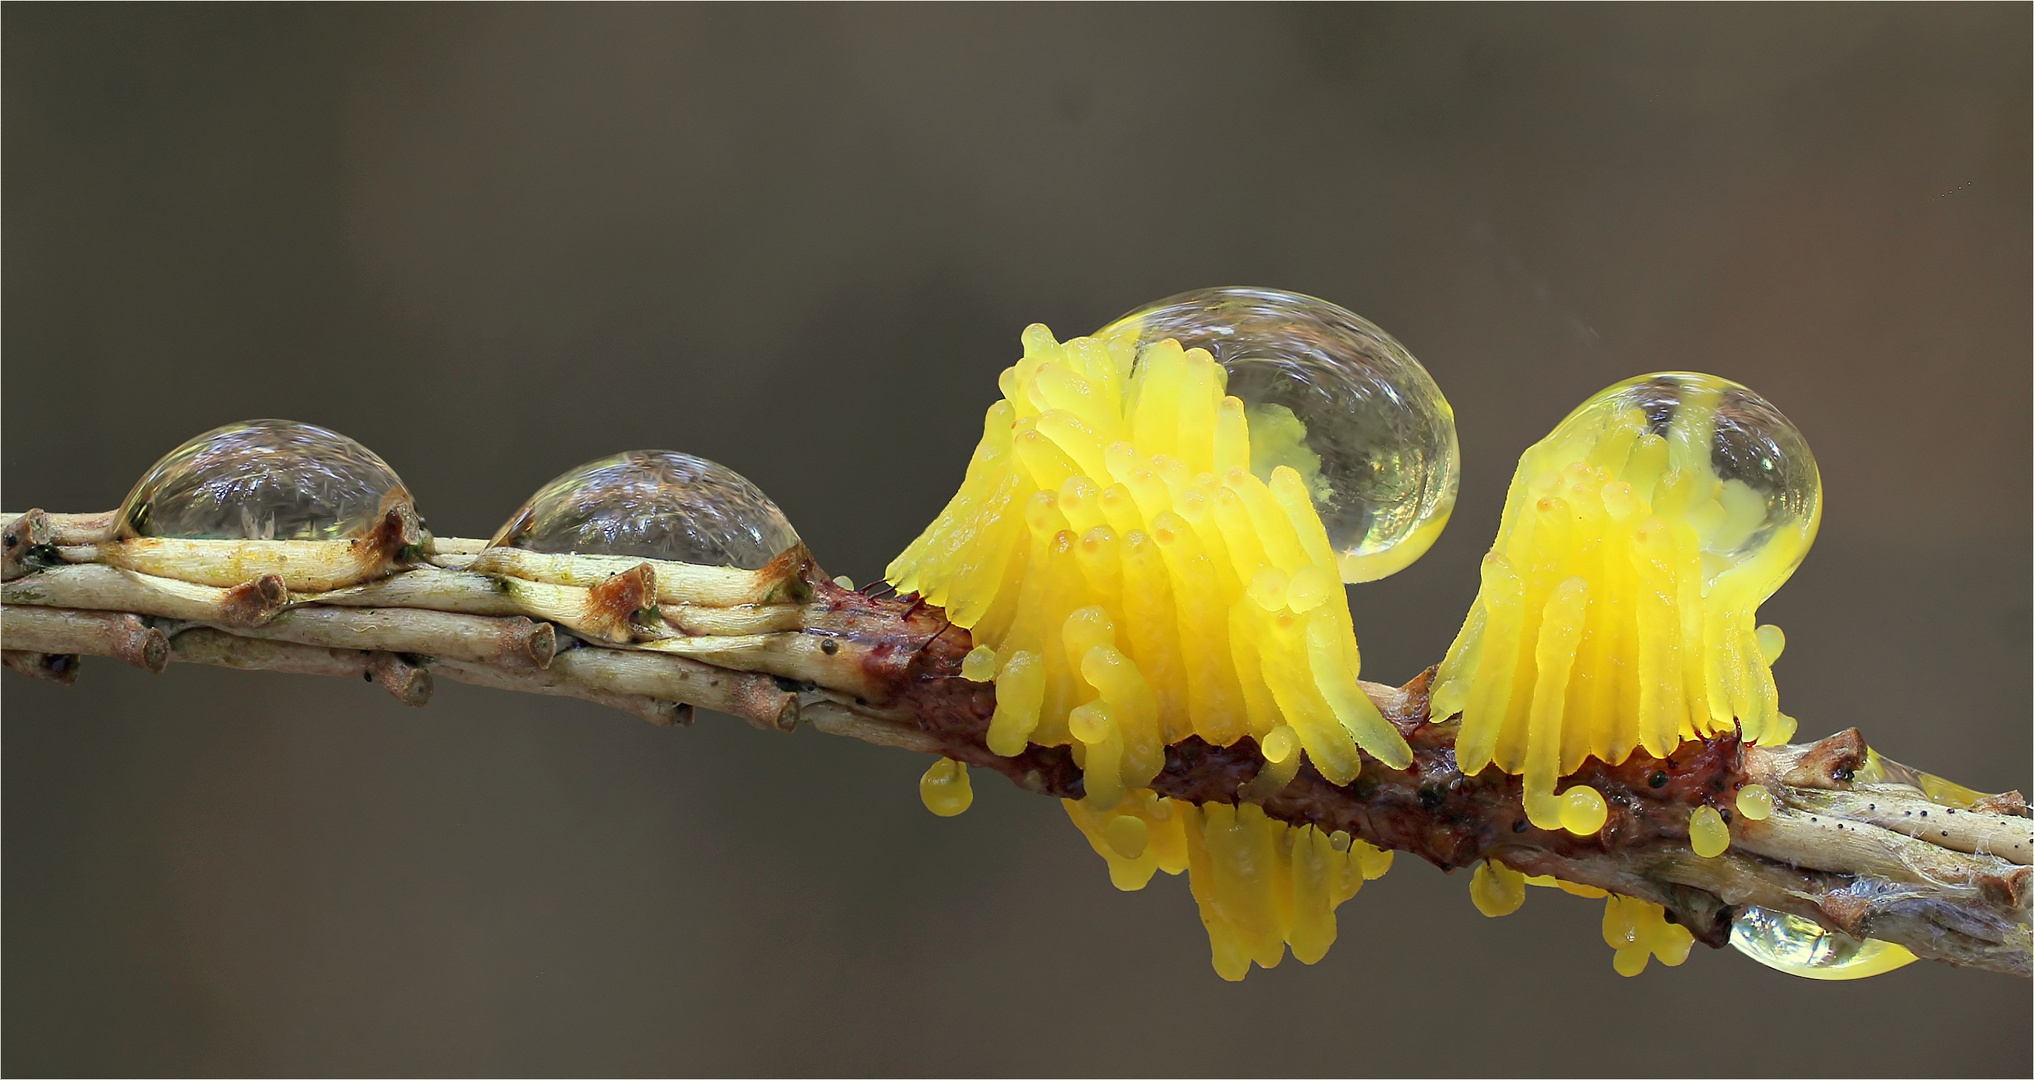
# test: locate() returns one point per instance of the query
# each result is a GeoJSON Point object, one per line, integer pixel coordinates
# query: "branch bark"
{"type": "Point", "coordinates": [785, 645]}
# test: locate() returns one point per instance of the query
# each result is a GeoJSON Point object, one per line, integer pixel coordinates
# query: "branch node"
{"type": "Point", "coordinates": [1830, 763]}
{"type": "Point", "coordinates": [19, 539]}
{"type": "Point", "coordinates": [54, 667]}
{"type": "Point", "coordinates": [409, 682]}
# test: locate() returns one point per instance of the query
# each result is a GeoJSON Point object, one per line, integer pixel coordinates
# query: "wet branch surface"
{"type": "Point", "coordinates": [785, 646]}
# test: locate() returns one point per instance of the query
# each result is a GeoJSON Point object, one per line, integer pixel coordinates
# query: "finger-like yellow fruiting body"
{"type": "Point", "coordinates": [1129, 582]}
{"type": "Point", "coordinates": [1617, 605]}
{"type": "Point", "coordinates": [1261, 884]}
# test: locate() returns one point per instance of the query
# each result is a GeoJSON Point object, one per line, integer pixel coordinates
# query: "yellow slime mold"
{"type": "Point", "coordinates": [1617, 605]}
{"type": "Point", "coordinates": [1130, 582]}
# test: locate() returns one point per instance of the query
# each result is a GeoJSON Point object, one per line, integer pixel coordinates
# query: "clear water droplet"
{"type": "Point", "coordinates": [653, 504]}
{"type": "Point", "coordinates": [1879, 769]}
{"type": "Point", "coordinates": [264, 480]}
{"type": "Point", "coordinates": [1764, 484]}
{"type": "Point", "coordinates": [1336, 398]}
{"type": "Point", "coordinates": [1801, 947]}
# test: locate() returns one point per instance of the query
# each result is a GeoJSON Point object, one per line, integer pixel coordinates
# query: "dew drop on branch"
{"type": "Point", "coordinates": [264, 480]}
{"type": "Point", "coordinates": [653, 504]}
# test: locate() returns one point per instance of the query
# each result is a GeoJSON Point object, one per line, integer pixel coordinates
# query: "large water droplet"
{"type": "Point", "coordinates": [264, 480]}
{"type": "Point", "coordinates": [1755, 489]}
{"type": "Point", "coordinates": [1337, 399]}
{"type": "Point", "coordinates": [1878, 769]}
{"type": "Point", "coordinates": [653, 504]}
{"type": "Point", "coordinates": [1801, 947]}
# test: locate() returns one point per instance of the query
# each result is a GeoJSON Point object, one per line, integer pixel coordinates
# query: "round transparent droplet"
{"type": "Point", "coordinates": [1799, 946]}
{"type": "Point", "coordinates": [653, 504]}
{"type": "Point", "coordinates": [1756, 479]}
{"type": "Point", "coordinates": [1337, 399]}
{"type": "Point", "coordinates": [264, 480]}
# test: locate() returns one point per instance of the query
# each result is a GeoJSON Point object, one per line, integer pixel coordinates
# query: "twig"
{"type": "Point", "coordinates": [655, 639]}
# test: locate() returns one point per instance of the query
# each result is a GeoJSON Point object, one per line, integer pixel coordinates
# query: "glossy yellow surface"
{"type": "Point", "coordinates": [1707, 833]}
{"type": "Point", "coordinates": [1134, 583]}
{"type": "Point", "coordinates": [1617, 604]}
{"type": "Point", "coordinates": [1496, 889]}
{"type": "Point", "coordinates": [945, 788]}
{"type": "Point", "coordinates": [1639, 931]}
{"type": "Point", "coordinates": [1261, 884]}
{"type": "Point", "coordinates": [1755, 802]}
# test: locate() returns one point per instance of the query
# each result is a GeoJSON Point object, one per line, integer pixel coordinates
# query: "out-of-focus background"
{"type": "Point", "coordinates": [494, 242]}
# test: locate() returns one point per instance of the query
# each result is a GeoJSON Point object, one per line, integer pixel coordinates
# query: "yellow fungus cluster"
{"type": "Point", "coordinates": [1261, 884]}
{"type": "Point", "coordinates": [1639, 931]}
{"type": "Point", "coordinates": [1140, 561]}
{"type": "Point", "coordinates": [1130, 582]}
{"type": "Point", "coordinates": [1617, 604]}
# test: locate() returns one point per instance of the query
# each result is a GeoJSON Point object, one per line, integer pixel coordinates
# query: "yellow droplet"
{"type": "Point", "coordinates": [1583, 811]}
{"type": "Point", "coordinates": [1129, 836]}
{"type": "Point", "coordinates": [1797, 946]}
{"type": "Point", "coordinates": [1496, 889]}
{"type": "Point", "coordinates": [845, 582]}
{"type": "Point", "coordinates": [1707, 833]}
{"type": "Point", "coordinates": [1089, 723]}
{"type": "Point", "coordinates": [1548, 881]}
{"type": "Point", "coordinates": [1772, 642]}
{"type": "Point", "coordinates": [1281, 743]}
{"type": "Point", "coordinates": [945, 788]}
{"type": "Point", "coordinates": [1755, 802]}
{"type": "Point", "coordinates": [979, 665]}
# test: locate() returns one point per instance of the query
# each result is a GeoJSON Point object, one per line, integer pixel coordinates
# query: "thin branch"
{"type": "Point", "coordinates": [784, 644]}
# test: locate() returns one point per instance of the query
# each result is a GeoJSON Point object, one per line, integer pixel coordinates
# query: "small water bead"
{"type": "Point", "coordinates": [1583, 810]}
{"type": "Point", "coordinates": [264, 480]}
{"type": "Point", "coordinates": [1802, 947]}
{"type": "Point", "coordinates": [1337, 399]}
{"type": "Point", "coordinates": [653, 504]}
{"type": "Point", "coordinates": [1707, 833]}
{"type": "Point", "coordinates": [1755, 802]}
{"type": "Point", "coordinates": [945, 788]}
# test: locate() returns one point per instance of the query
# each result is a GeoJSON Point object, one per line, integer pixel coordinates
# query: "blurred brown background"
{"type": "Point", "coordinates": [494, 242]}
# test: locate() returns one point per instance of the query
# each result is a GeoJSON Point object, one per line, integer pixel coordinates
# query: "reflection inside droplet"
{"type": "Point", "coordinates": [1724, 460]}
{"type": "Point", "coordinates": [1878, 769]}
{"type": "Point", "coordinates": [1338, 400]}
{"type": "Point", "coordinates": [1799, 946]}
{"type": "Point", "coordinates": [653, 504]}
{"type": "Point", "coordinates": [264, 480]}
